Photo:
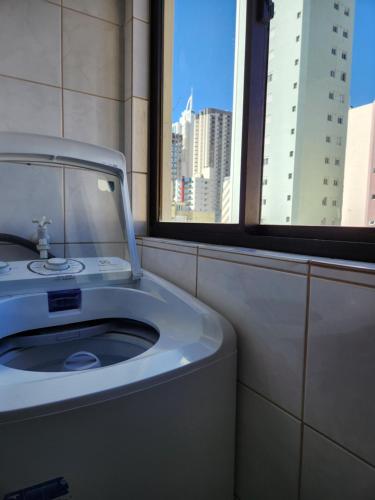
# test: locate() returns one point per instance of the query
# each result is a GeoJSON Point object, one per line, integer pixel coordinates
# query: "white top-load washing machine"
{"type": "Point", "coordinates": [114, 384]}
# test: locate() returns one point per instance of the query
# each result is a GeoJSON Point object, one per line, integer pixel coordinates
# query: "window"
{"type": "Point", "coordinates": [237, 87]}
{"type": "Point", "coordinates": [264, 202]}
{"type": "Point", "coordinates": [265, 161]}
{"type": "Point", "coordinates": [295, 85]}
{"type": "Point", "coordinates": [334, 203]}
{"type": "Point", "coordinates": [290, 153]}
{"type": "Point", "coordinates": [347, 11]}
{"type": "Point", "coordinates": [269, 77]}
{"type": "Point", "coordinates": [324, 201]}
{"type": "Point", "coordinates": [326, 160]}
{"type": "Point", "coordinates": [343, 76]}
{"type": "Point", "coordinates": [336, 5]}
{"type": "Point", "coordinates": [332, 73]}
{"type": "Point", "coordinates": [337, 162]}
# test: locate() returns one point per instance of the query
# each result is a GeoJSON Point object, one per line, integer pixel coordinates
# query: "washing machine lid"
{"type": "Point", "coordinates": [33, 149]}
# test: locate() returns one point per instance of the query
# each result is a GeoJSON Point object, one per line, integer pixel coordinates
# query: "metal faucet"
{"type": "Point", "coordinates": [42, 237]}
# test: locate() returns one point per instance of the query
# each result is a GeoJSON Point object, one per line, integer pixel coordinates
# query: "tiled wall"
{"type": "Point", "coordinates": [77, 69]}
{"type": "Point", "coordinates": [306, 335]}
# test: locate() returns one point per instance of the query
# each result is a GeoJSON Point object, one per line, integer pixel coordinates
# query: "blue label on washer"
{"type": "Point", "coordinates": [55, 488]}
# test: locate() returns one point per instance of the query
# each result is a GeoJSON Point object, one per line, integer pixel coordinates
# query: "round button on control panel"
{"type": "Point", "coordinates": [56, 266]}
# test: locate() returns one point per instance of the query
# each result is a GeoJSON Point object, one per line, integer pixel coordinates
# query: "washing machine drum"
{"type": "Point", "coordinates": [78, 346]}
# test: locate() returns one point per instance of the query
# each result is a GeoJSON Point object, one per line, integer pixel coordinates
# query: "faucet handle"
{"type": "Point", "coordinates": [43, 222]}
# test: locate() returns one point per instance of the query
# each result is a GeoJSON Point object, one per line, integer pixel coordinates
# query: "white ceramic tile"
{"type": "Point", "coordinates": [29, 107]}
{"type": "Point", "coordinates": [330, 473]}
{"type": "Point", "coordinates": [93, 119]}
{"type": "Point", "coordinates": [92, 215]}
{"type": "Point", "coordinates": [263, 258]}
{"type": "Point", "coordinates": [30, 40]}
{"type": "Point", "coordinates": [95, 250]}
{"type": "Point", "coordinates": [110, 10]}
{"type": "Point", "coordinates": [179, 268]}
{"type": "Point", "coordinates": [141, 9]}
{"type": "Point", "coordinates": [357, 272]}
{"type": "Point", "coordinates": [141, 35]}
{"type": "Point", "coordinates": [128, 63]}
{"type": "Point", "coordinates": [340, 373]}
{"type": "Point", "coordinates": [139, 202]}
{"type": "Point", "coordinates": [28, 192]}
{"type": "Point", "coordinates": [267, 309]}
{"type": "Point", "coordinates": [16, 252]}
{"type": "Point", "coordinates": [140, 135]}
{"type": "Point", "coordinates": [170, 245]}
{"type": "Point", "coordinates": [128, 134]}
{"type": "Point", "coordinates": [268, 447]}
{"type": "Point", "coordinates": [92, 55]}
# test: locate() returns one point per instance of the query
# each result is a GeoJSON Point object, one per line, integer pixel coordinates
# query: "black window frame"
{"type": "Point", "coordinates": [354, 243]}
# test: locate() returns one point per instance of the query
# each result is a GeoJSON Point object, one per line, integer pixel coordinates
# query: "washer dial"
{"type": "Point", "coordinates": [57, 264]}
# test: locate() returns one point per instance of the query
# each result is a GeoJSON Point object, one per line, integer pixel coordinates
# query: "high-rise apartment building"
{"type": "Point", "coordinates": [185, 128]}
{"type": "Point", "coordinates": [309, 75]}
{"type": "Point", "coordinates": [212, 150]}
{"type": "Point", "coordinates": [359, 182]}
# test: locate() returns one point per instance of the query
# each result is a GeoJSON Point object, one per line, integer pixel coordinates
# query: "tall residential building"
{"type": "Point", "coordinates": [212, 150]}
{"type": "Point", "coordinates": [359, 182]}
{"type": "Point", "coordinates": [176, 156]}
{"type": "Point", "coordinates": [185, 128]}
{"type": "Point", "coordinates": [309, 75]}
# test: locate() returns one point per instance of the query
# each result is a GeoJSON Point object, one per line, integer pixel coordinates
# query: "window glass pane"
{"type": "Point", "coordinates": [204, 45]}
{"type": "Point", "coordinates": [329, 177]}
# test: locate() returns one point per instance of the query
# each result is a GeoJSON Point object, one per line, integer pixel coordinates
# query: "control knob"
{"type": "Point", "coordinates": [56, 264]}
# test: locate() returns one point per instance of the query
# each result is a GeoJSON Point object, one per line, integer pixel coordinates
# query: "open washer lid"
{"type": "Point", "coordinates": [33, 149]}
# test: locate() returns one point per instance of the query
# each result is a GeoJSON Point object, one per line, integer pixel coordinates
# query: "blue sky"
{"type": "Point", "coordinates": [204, 54]}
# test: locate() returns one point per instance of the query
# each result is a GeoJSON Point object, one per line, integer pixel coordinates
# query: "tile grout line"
{"type": "Point", "coordinates": [306, 331]}
{"type": "Point", "coordinates": [90, 15]}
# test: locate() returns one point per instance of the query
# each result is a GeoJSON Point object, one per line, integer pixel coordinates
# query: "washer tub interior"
{"type": "Point", "coordinates": [77, 346]}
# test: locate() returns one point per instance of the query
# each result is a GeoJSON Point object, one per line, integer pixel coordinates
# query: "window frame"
{"type": "Point", "coordinates": [354, 243]}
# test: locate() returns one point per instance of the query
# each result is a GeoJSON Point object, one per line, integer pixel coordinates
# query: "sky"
{"type": "Point", "coordinates": [204, 54]}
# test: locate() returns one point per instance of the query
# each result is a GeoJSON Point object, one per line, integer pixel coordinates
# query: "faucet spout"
{"type": "Point", "coordinates": [42, 237]}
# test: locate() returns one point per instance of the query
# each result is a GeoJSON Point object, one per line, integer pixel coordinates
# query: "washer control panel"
{"type": "Point", "coordinates": [62, 273]}
{"type": "Point", "coordinates": [56, 266]}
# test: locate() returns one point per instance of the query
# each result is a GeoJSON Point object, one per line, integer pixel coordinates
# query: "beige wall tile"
{"type": "Point", "coordinates": [110, 10]}
{"type": "Point", "coordinates": [140, 135]}
{"type": "Point", "coordinates": [139, 202]}
{"type": "Point", "coordinates": [93, 119]}
{"type": "Point", "coordinates": [141, 33]}
{"type": "Point", "coordinates": [92, 55]}
{"type": "Point", "coordinates": [29, 107]}
{"type": "Point", "coordinates": [30, 40]}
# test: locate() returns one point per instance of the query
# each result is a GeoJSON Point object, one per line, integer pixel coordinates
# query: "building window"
{"type": "Point", "coordinates": [264, 202]}
{"type": "Point", "coordinates": [265, 161]}
{"type": "Point", "coordinates": [333, 51]}
{"type": "Point", "coordinates": [334, 203]}
{"type": "Point", "coordinates": [295, 85]}
{"type": "Point", "coordinates": [293, 108]}
{"type": "Point", "coordinates": [335, 28]}
{"type": "Point", "coordinates": [339, 141]}
{"type": "Point", "coordinates": [297, 38]}
{"type": "Point", "coordinates": [335, 182]}
{"type": "Point", "coordinates": [336, 5]}
{"type": "Point", "coordinates": [340, 120]}
{"type": "Point", "coordinates": [287, 219]}
{"type": "Point", "coordinates": [269, 78]}
{"type": "Point", "coordinates": [324, 201]}
{"type": "Point", "coordinates": [344, 55]}
{"type": "Point", "coordinates": [292, 130]}
{"type": "Point", "coordinates": [265, 182]}
{"type": "Point", "coordinates": [325, 181]}
{"type": "Point", "coordinates": [326, 160]}
{"type": "Point", "coordinates": [345, 34]}
{"type": "Point", "coordinates": [291, 153]}
{"type": "Point", "coordinates": [347, 11]}
{"type": "Point", "coordinates": [342, 98]}
{"type": "Point", "coordinates": [329, 117]}
{"type": "Point", "coordinates": [296, 61]}
{"type": "Point", "coordinates": [328, 138]}
{"type": "Point", "coordinates": [331, 95]}
{"type": "Point", "coordinates": [298, 15]}
{"type": "Point", "coordinates": [288, 198]}
{"type": "Point", "coordinates": [337, 162]}
{"type": "Point", "coordinates": [343, 76]}
{"type": "Point", "coordinates": [332, 73]}
{"type": "Point", "coordinates": [290, 176]}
